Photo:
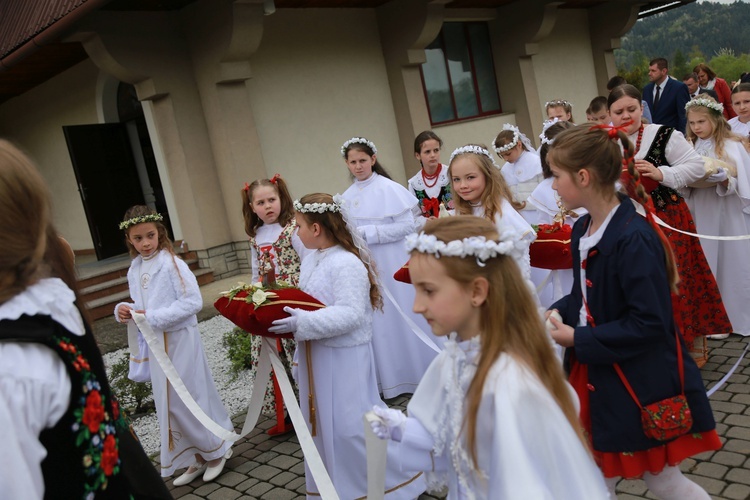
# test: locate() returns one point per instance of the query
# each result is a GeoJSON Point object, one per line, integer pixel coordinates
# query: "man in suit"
{"type": "Point", "coordinates": [691, 80]}
{"type": "Point", "coordinates": [665, 96]}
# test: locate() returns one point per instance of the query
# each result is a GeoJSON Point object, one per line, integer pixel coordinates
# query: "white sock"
{"type": "Point", "coordinates": [611, 482]}
{"type": "Point", "coordinates": [671, 484]}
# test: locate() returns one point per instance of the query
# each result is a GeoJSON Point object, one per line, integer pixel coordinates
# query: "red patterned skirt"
{"type": "Point", "coordinates": [632, 465]}
{"type": "Point", "coordinates": [698, 308]}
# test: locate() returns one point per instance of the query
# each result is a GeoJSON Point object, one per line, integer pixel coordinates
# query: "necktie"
{"type": "Point", "coordinates": [656, 97]}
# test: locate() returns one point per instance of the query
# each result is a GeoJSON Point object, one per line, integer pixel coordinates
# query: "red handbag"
{"type": "Point", "coordinates": [238, 307]}
{"type": "Point", "coordinates": [551, 249]}
{"type": "Point", "coordinates": [662, 420]}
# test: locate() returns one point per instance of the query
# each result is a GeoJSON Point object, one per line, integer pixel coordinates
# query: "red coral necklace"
{"type": "Point", "coordinates": [433, 177]}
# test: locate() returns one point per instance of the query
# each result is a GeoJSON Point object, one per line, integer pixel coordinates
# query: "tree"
{"type": "Point", "coordinates": [680, 67]}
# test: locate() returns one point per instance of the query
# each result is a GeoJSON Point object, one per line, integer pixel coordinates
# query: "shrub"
{"type": "Point", "coordinates": [134, 397]}
{"type": "Point", "coordinates": [239, 351]}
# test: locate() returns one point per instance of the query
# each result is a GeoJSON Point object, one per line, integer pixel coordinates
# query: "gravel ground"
{"type": "Point", "coordinates": [234, 392]}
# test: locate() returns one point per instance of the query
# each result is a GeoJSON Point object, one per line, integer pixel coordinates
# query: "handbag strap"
{"type": "Point", "coordinates": [680, 365]}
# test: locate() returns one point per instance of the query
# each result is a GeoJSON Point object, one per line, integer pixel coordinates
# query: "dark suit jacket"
{"type": "Point", "coordinates": [671, 108]}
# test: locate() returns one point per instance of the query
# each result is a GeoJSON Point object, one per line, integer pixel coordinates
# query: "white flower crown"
{"type": "Point", "coordinates": [512, 144]}
{"type": "Point", "coordinates": [558, 102]}
{"type": "Point", "coordinates": [358, 140]}
{"type": "Point", "coordinates": [716, 106]}
{"type": "Point", "coordinates": [471, 148]}
{"type": "Point", "coordinates": [475, 246]}
{"type": "Point", "coordinates": [140, 220]}
{"type": "Point", "coordinates": [318, 208]}
{"type": "Point", "coordinates": [543, 136]}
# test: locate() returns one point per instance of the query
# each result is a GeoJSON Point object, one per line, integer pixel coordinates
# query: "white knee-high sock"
{"type": "Point", "coordinates": [671, 484]}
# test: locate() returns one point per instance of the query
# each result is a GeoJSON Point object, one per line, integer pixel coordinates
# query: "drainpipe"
{"type": "Point", "coordinates": [51, 34]}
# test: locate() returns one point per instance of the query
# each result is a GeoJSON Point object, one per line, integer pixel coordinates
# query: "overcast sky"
{"type": "Point", "coordinates": [723, 1]}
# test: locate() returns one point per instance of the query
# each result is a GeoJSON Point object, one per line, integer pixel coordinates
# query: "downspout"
{"type": "Point", "coordinates": [50, 34]}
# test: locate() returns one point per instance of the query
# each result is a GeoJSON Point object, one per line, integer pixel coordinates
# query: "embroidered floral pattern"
{"type": "Point", "coordinates": [94, 426]}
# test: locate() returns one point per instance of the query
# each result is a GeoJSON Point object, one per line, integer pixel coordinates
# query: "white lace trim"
{"type": "Point", "coordinates": [48, 297]}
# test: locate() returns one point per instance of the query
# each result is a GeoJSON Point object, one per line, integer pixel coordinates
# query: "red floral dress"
{"type": "Point", "coordinates": [698, 307]}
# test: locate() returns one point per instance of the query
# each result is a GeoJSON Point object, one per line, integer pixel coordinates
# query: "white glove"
{"type": "Point", "coordinates": [286, 325]}
{"type": "Point", "coordinates": [719, 176]}
{"type": "Point", "coordinates": [391, 423]}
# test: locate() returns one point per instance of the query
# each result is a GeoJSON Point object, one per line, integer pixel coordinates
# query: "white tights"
{"type": "Point", "coordinates": [668, 484]}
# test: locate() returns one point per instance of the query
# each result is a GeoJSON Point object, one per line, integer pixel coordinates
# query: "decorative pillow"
{"type": "Point", "coordinates": [254, 308]}
{"type": "Point", "coordinates": [402, 274]}
{"type": "Point", "coordinates": [551, 249]}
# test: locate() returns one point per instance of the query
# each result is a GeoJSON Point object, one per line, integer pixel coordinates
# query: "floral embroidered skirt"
{"type": "Point", "coordinates": [632, 465]}
{"type": "Point", "coordinates": [698, 308]}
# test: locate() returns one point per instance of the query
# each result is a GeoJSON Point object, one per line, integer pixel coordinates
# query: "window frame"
{"type": "Point", "coordinates": [474, 80]}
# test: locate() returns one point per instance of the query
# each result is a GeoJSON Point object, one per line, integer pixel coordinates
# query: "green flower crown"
{"type": "Point", "coordinates": [140, 220]}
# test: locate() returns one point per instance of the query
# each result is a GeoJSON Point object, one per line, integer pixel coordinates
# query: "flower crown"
{"type": "Point", "coordinates": [512, 144]}
{"type": "Point", "coordinates": [318, 208]}
{"type": "Point", "coordinates": [558, 102]}
{"type": "Point", "coordinates": [543, 136]}
{"type": "Point", "coordinates": [471, 148]}
{"type": "Point", "coordinates": [475, 246]}
{"type": "Point", "coordinates": [140, 220]}
{"type": "Point", "coordinates": [358, 140]}
{"type": "Point", "coordinates": [706, 103]}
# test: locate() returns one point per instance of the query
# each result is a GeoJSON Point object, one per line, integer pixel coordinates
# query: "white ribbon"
{"type": "Point", "coordinates": [729, 373]}
{"type": "Point", "coordinates": [377, 454]}
{"type": "Point", "coordinates": [414, 327]}
{"type": "Point", "coordinates": [639, 208]}
{"type": "Point", "coordinates": [268, 357]}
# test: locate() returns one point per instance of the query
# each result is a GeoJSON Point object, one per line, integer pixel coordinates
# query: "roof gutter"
{"type": "Point", "coordinates": [50, 34]}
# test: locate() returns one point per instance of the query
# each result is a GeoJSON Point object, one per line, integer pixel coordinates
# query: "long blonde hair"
{"type": "Point", "coordinates": [721, 133]}
{"type": "Point", "coordinates": [333, 224]}
{"type": "Point", "coordinates": [24, 219]}
{"type": "Point", "coordinates": [495, 187]}
{"type": "Point", "coordinates": [509, 322]}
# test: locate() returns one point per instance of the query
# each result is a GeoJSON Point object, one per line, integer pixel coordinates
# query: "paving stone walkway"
{"type": "Point", "coordinates": [265, 467]}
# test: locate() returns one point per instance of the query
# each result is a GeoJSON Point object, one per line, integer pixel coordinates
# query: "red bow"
{"type": "Point", "coordinates": [613, 131]}
{"type": "Point", "coordinates": [247, 187]}
{"type": "Point", "coordinates": [275, 178]}
{"type": "Point", "coordinates": [431, 205]}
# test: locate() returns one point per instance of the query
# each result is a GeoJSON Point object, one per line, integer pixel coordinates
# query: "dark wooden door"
{"type": "Point", "coordinates": [107, 181]}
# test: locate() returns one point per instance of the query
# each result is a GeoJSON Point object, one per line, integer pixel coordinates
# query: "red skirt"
{"type": "Point", "coordinates": [698, 308]}
{"type": "Point", "coordinates": [632, 464]}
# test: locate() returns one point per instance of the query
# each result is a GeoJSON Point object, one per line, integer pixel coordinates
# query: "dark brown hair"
{"type": "Point", "coordinates": [424, 137]}
{"type": "Point", "coordinates": [704, 67]}
{"type": "Point", "coordinates": [551, 133]}
{"type": "Point", "coordinates": [252, 221]}
{"type": "Point", "coordinates": [335, 227]}
{"type": "Point", "coordinates": [364, 148]}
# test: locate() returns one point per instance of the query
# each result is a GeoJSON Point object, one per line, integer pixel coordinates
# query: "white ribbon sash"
{"type": "Point", "coordinates": [639, 208]}
{"type": "Point", "coordinates": [414, 327]}
{"type": "Point", "coordinates": [377, 454]}
{"type": "Point", "coordinates": [268, 358]}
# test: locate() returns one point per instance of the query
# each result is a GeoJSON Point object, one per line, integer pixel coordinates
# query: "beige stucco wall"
{"type": "Point", "coordinates": [481, 131]}
{"type": "Point", "coordinates": [564, 65]}
{"type": "Point", "coordinates": [34, 121]}
{"type": "Point", "coordinates": [319, 79]}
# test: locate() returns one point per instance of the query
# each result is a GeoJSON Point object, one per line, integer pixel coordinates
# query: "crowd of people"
{"type": "Point", "coordinates": [528, 381]}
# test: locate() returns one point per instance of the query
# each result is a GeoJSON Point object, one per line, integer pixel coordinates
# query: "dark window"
{"type": "Point", "coordinates": [459, 75]}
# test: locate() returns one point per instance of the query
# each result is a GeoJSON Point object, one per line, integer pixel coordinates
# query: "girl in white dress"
{"type": "Point", "coordinates": [165, 290]}
{"type": "Point", "coordinates": [493, 417]}
{"type": "Point", "coordinates": [560, 109]}
{"type": "Point", "coordinates": [268, 210]}
{"type": "Point", "coordinates": [431, 185]}
{"type": "Point", "coordinates": [551, 285]}
{"type": "Point", "coordinates": [384, 213]}
{"type": "Point", "coordinates": [481, 191]}
{"type": "Point", "coordinates": [723, 209]}
{"type": "Point", "coordinates": [523, 168]}
{"type": "Point", "coordinates": [336, 373]}
{"type": "Point", "coordinates": [741, 104]}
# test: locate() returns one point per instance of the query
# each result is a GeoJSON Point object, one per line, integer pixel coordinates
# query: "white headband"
{"type": "Point", "coordinates": [471, 148]}
{"type": "Point", "coordinates": [543, 136]}
{"type": "Point", "coordinates": [319, 208]}
{"type": "Point", "coordinates": [481, 248]}
{"type": "Point", "coordinates": [358, 140]}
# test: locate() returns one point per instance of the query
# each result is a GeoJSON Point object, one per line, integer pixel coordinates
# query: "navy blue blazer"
{"type": "Point", "coordinates": [671, 108]}
{"type": "Point", "coordinates": [629, 299]}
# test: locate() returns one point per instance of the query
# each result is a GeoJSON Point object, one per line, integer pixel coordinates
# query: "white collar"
{"type": "Point", "coordinates": [367, 181]}
{"type": "Point", "coordinates": [47, 297]}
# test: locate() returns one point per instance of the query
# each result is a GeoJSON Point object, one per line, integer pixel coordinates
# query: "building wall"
{"type": "Point", "coordinates": [564, 65]}
{"type": "Point", "coordinates": [34, 121]}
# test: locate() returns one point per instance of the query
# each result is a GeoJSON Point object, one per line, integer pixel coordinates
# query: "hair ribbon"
{"type": "Point", "coordinates": [275, 178]}
{"type": "Point", "coordinates": [246, 188]}
{"type": "Point", "coordinates": [612, 131]}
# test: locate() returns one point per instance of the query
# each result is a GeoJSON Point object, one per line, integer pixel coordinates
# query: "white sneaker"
{"type": "Point", "coordinates": [188, 476]}
{"type": "Point", "coordinates": [718, 336]}
{"type": "Point", "coordinates": [213, 472]}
